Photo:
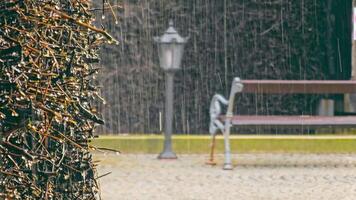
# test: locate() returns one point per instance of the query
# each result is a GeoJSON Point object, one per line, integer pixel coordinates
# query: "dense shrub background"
{"type": "Point", "coordinates": [252, 39]}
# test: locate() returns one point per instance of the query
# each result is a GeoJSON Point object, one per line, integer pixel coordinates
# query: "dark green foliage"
{"type": "Point", "coordinates": [252, 39]}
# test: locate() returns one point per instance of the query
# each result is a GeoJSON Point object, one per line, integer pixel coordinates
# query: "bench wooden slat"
{"type": "Point", "coordinates": [273, 120]}
{"type": "Point", "coordinates": [299, 86]}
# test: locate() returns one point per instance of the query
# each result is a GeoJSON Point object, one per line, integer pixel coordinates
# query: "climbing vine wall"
{"type": "Point", "coordinates": [47, 91]}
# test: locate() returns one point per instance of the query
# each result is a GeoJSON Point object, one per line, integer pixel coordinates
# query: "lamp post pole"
{"type": "Point", "coordinates": [170, 51]}
{"type": "Point", "coordinates": [167, 149]}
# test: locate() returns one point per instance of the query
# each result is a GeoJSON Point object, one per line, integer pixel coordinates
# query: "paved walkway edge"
{"type": "Point", "coordinates": [239, 144]}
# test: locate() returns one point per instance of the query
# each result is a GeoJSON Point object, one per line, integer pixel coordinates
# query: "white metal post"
{"type": "Point", "coordinates": [236, 87]}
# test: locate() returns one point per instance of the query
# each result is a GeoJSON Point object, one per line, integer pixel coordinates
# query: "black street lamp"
{"type": "Point", "coordinates": [170, 52]}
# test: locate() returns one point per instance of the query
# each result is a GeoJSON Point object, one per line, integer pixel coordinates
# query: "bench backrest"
{"type": "Point", "coordinates": [299, 86]}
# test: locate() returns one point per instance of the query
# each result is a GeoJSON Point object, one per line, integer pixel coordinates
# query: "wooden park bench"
{"type": "Point", "coordinates": [223, 123]}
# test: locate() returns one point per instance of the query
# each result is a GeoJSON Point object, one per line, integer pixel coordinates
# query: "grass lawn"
{"type": "Point", "coordinates": [239, 144]}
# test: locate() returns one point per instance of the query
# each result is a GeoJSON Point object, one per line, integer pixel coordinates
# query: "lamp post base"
{"type": "Point", "coordinates": [228, 167]}
{"type": "Point", "coordinates": [167, 155]}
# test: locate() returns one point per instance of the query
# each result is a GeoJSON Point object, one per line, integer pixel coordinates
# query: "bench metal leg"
{"type": "Point", "coordinates": [216, 124]}
{"type": "Point", "coordinates": [235, 88]}
{"type": "Point", "coordinates": [211, 160]}
{"type": "Point", "coordinates": [227, 163]}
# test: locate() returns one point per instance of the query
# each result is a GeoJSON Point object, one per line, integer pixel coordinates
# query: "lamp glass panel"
{"type": "Point", "coordinates": [166, 55]}
{"type": "Point", "coordinates": [170, 55]}
{"type": "Point", "coordinates": [178, 54]}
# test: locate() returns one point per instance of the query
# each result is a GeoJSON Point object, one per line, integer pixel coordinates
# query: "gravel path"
{"type": "Point", "coordinates": [255, 177]}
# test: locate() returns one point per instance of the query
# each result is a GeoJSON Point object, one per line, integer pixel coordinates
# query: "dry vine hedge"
{"type": "Point", "coordinates": [48, 49]}
{"type": "Point", "coordinates": [264, 39]}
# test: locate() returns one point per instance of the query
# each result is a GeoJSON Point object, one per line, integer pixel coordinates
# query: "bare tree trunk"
{"type": "Point", "coordinates": [349, 99]}
{"type": "Point", "coordinates": [353, 71]}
